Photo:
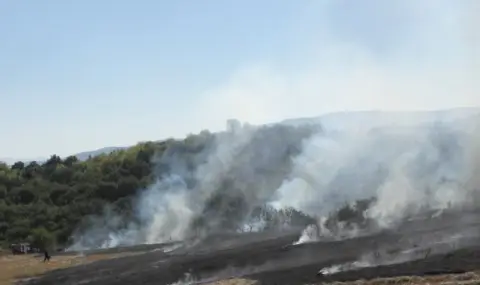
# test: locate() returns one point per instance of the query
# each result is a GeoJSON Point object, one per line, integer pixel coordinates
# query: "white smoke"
{"type": "Point", "coordinates": [425, 56]}
{"type": "Point", "coordinates": [403, 160]}
{"type": "Point", "coordinates": [182, 205]}
{"type": "Point", "coordinates": [344, 267]}
{"type": "Point", "coordinates": [405, 169]}
{"type": "Point", "coordinates": [166, 209]}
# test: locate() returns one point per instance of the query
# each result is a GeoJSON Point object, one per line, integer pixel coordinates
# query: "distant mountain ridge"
{"type": "Point", "coordinates": [105, 150]}
{"type": "Point", "coordinates": [346, 121]}
{"type": "Point", "coordinates": [10, 160]}
{"type": "Point", "coordinates": [364, 120]}
{"type": "Point", "coordinates": [81, 156]}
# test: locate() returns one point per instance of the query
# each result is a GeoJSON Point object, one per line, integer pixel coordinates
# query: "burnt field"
{"type": "Point", "coordinates": [439, 244]}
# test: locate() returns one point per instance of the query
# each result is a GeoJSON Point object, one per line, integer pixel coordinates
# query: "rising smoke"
{"type": "Point", "coordinates": [242, 178]}
{"type": "Point", "coordinates": [222, 184]}
{"type": "Point", "coordinates": [248, 177]}
{"type": "Point", "coordinates": [428, 167]}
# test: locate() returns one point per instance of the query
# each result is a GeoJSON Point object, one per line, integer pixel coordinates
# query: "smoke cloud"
{"type": "Point", "coordinates": [425, 56]}
{"type": "Point", "coordinates": [208, 184]}
{"type": "Point", "coordinates": [250, 178]}
{"type": "Point", "coordinates": [403, 163]}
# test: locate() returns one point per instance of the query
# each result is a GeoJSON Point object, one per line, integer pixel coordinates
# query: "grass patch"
{"type": "Point", "coordinates": [15, 267]}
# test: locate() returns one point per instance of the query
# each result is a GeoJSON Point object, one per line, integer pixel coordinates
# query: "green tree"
{"type": "Point", "coordinates": [42, 238]}
{"type": "Point", "coordinates": [19, 165]}
{"type": "Point", "coordinates": [3, 192]}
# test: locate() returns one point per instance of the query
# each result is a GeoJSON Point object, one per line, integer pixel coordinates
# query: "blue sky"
{"type": "Point", "coordinates": [80, 75]}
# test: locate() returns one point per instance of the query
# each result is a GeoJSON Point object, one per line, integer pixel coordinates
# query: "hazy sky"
{"type": "Point", "coordinates": [80, 75]}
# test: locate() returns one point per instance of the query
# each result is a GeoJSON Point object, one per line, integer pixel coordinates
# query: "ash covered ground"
{"type": "Point", "coordinates": [432, 244]}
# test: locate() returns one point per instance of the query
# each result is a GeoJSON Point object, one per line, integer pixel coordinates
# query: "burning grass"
{"type": "Point", "coordinates": [16, 267]}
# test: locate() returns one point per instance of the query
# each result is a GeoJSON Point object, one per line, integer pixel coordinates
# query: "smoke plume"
{"type": "Point", "coordinates": [263, 178]}
{"type": "Point", "coordinates": [344, 172]}
{"type": "Point", "coordinates": [207, 184]}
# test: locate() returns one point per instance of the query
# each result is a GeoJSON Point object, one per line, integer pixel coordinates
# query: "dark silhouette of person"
{"type": "Point", "coordinates": [47, 256]}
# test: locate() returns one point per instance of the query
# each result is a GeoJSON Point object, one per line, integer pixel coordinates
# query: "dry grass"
{"type": "Point", "coordinates": [16, 267]}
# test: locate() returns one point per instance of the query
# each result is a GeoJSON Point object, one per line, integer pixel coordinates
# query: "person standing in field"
{"type": "Point", "coordinates": [47, 256]}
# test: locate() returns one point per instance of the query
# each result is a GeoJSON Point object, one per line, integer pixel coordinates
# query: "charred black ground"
{"type": "Point", "coordinates": [429, 245]}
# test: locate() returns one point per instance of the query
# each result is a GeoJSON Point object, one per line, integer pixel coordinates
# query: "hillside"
{"type": "Point", "coordinates": [365, 120]}
{"type": "Point", "coordinates": [105, 150]}
{"type": "Point", "coordinates": [46, 203]}
{"type": "Point", "coordinates": [245, 179]}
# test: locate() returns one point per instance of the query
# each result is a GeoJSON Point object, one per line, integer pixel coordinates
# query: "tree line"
{"type": "Point", "coordinates": [42, 203]}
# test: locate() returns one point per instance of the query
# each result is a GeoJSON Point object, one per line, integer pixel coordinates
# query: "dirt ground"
{"type": "Point", "coordinates": [441, 250]}
{"type": "Point", "coordinates": [15, 267]}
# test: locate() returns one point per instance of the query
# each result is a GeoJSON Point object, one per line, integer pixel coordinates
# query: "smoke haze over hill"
{"type": "Point", "coordinates": [249, 177]}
